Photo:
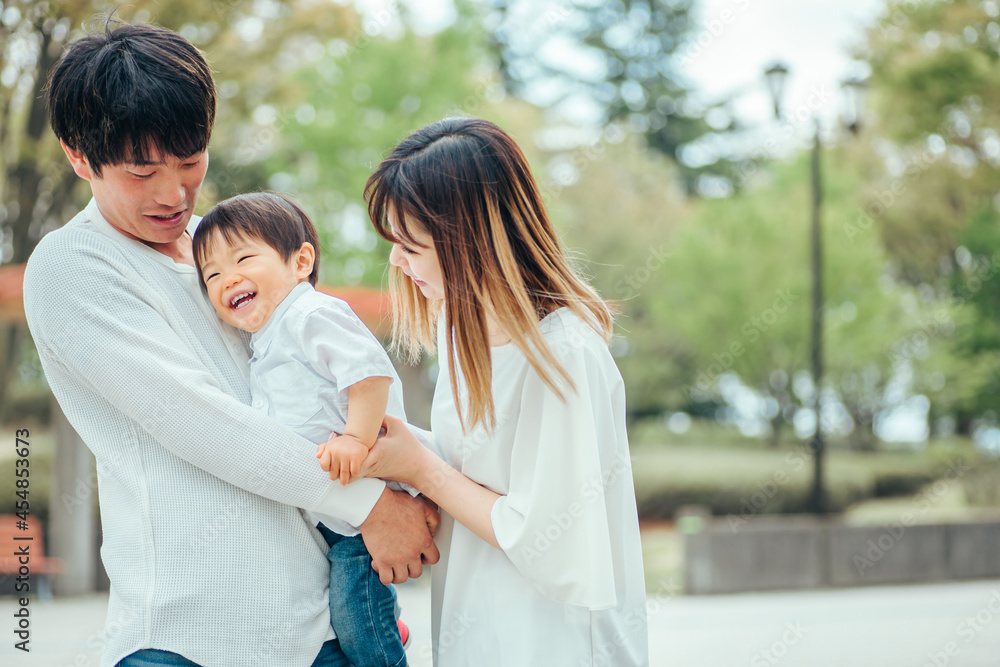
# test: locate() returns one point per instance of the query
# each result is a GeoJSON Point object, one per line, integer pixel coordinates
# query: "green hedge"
{"type": "Point", "coordinates": [741, 481]}
{"type": "Point", "coordinates": [982, 486]}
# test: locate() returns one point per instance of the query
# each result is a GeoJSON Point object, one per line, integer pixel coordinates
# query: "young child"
{"type": "Point", "coordinates": [315, 368]}
{"type": "Point", "coordinates": [540, 555]}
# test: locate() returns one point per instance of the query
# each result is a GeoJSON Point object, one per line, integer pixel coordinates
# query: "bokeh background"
{"type": "Point", "coordinates": [682, 182]}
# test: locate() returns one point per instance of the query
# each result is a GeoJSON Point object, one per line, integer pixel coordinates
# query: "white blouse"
{"type": "Point", "coordinates": [568, 587]}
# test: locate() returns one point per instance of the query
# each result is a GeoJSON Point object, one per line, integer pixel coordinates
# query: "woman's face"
{"type": "Point", "coordinates": [419, 264]}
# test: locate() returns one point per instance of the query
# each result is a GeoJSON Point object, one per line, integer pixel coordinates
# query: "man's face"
{"type": "Point", "coordinates": [153, 202]}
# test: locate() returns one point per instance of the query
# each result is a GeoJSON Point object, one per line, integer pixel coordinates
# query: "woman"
{"type": "Point", "coordinates": [540, 553]}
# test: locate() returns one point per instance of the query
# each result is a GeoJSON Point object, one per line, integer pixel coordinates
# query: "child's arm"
{"type": "Point", "coordinates": [402, 458]}
{"type": "Point", "coordinates": [366, 404]}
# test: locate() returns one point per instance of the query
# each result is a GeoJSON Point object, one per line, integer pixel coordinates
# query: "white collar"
{"type": "Point", "coordinates": [95, 217]}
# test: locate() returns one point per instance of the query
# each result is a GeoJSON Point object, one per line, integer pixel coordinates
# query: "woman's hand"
{"type": "Point", "coordinates": [397, 455]}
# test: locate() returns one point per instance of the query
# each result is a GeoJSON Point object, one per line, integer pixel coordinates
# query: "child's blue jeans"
{"type": "Point", "coordinates": [362, 608]}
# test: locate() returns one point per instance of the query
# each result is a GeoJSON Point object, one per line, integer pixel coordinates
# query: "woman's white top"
{"type": "Point", "coordinates": [568, 587]}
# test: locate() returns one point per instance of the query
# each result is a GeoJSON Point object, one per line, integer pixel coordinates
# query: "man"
{"type": "Point", "coordinates": [211, 560]}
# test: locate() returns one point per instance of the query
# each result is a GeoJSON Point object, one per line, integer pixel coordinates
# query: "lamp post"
{"type": "Point", "coordinates": [775, 76]}
{"type": "Point", "coordinates": [854, 89]}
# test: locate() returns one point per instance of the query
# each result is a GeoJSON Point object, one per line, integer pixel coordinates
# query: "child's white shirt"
{"type": "Point", "coordinates": [305, 358]}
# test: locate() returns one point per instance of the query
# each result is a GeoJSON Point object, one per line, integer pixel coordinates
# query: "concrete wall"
{"type": "Point", "coordinates": [804, 552]}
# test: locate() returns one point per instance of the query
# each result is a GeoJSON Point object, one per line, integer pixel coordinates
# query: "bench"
{"type": "Point", "coordinates": [41, 566]}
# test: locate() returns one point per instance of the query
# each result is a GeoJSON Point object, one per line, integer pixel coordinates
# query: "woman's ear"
{"type": "Point", "coordinates": [304, 260]}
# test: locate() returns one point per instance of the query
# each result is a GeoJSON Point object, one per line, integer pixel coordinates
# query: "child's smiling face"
{"type": "Point", "coordinates": [246, 280]}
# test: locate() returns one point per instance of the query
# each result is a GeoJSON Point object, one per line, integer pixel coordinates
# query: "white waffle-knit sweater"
{"type": "Point", "coordinates": [207, 551]}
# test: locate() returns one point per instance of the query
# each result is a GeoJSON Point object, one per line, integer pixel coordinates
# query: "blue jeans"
{"type": "Point", "coordinates": [330, 655]}
{"type": "Point", "coordinates": [362, 608]}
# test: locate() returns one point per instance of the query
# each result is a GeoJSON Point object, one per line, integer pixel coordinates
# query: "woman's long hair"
{"type": "Point", "coordinates": [468, 185]}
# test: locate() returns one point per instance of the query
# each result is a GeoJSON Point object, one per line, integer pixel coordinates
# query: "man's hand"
{"type": "Point", "coordinates": [398, 534]}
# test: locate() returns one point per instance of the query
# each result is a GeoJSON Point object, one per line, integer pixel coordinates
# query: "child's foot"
{"type": "Point", "coordinates": [404, 633]}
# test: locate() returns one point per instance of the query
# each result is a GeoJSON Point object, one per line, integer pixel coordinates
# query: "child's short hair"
{"type": "Point", "coordinates": [124, 95]}
{"type": "Point", "coordinates": [265, 216]}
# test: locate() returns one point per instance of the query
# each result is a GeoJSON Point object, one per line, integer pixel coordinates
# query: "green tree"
{"type": "Point", "coordinates": [934, 68]}
{"type": "Point", "coordinates": [343, 105]}
{"type": "Point", "coordinates": [38, 190]}
{"type": "Point", "coordinates": [713, 286]}
{"type": "Point", "coordinates": [620, 59]}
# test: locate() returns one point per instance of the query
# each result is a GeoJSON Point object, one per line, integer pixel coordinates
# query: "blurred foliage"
{"type": "Point", "coordinates": [718, 286]}
{"type": "Point", "coordinates": [312, 95]}
{"type": "Point", "coordinates": [343, 103]}
{"type": "Point", "coordinates": [619, 60]}
{"type": "Point", "coordinates": [743, 483]}
{"type": "Point", "coordinates": [982, 486]}
{"type": "Point", "coordinates": [934, 72]}
{"type": "Point", "coordinates": [38, 190]}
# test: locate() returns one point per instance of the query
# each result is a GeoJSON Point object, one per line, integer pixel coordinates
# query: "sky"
{"type": "Point", "coordinates": [739, 39]}
{"type": "Point", "coordinates": [813, 38]}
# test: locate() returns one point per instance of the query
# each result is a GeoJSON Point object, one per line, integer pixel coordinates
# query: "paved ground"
{"type": "Point", "coordinates": [941, 625]}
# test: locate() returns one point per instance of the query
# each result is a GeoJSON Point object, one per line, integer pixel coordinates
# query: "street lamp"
{"type": "Point", "coordinates": [854, 89]}
{"type": "Point", "coordinates": [775, 76]}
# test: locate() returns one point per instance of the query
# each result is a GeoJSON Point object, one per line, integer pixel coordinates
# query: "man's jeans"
{"type": "Point", "coordinates": [329, 655]}
{"type": "Point", "coordinates": [362, 608]}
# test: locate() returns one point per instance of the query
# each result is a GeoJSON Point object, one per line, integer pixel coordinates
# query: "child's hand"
{"type": "Point", "coordinates": [341, 456]}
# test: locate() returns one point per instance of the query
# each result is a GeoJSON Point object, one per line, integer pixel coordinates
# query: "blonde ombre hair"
{"type": "Point", "coordinates": [466, 183]}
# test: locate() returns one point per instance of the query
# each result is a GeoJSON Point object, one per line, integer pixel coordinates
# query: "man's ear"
{"type": "Point", "coordinates": [79, 162]}
{"type": "Point", "coordinates": [304, 259]}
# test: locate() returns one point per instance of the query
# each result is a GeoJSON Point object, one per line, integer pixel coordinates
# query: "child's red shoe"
{"type": "Point", "coordinates": [404, 633]}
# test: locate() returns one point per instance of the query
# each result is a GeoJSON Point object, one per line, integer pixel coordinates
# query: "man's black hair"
{"type": "Point", "coordinates": [131, 93]}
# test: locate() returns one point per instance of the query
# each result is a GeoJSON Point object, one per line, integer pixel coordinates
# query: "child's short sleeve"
{"type": "Point", "coordinates": [340, 347]}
